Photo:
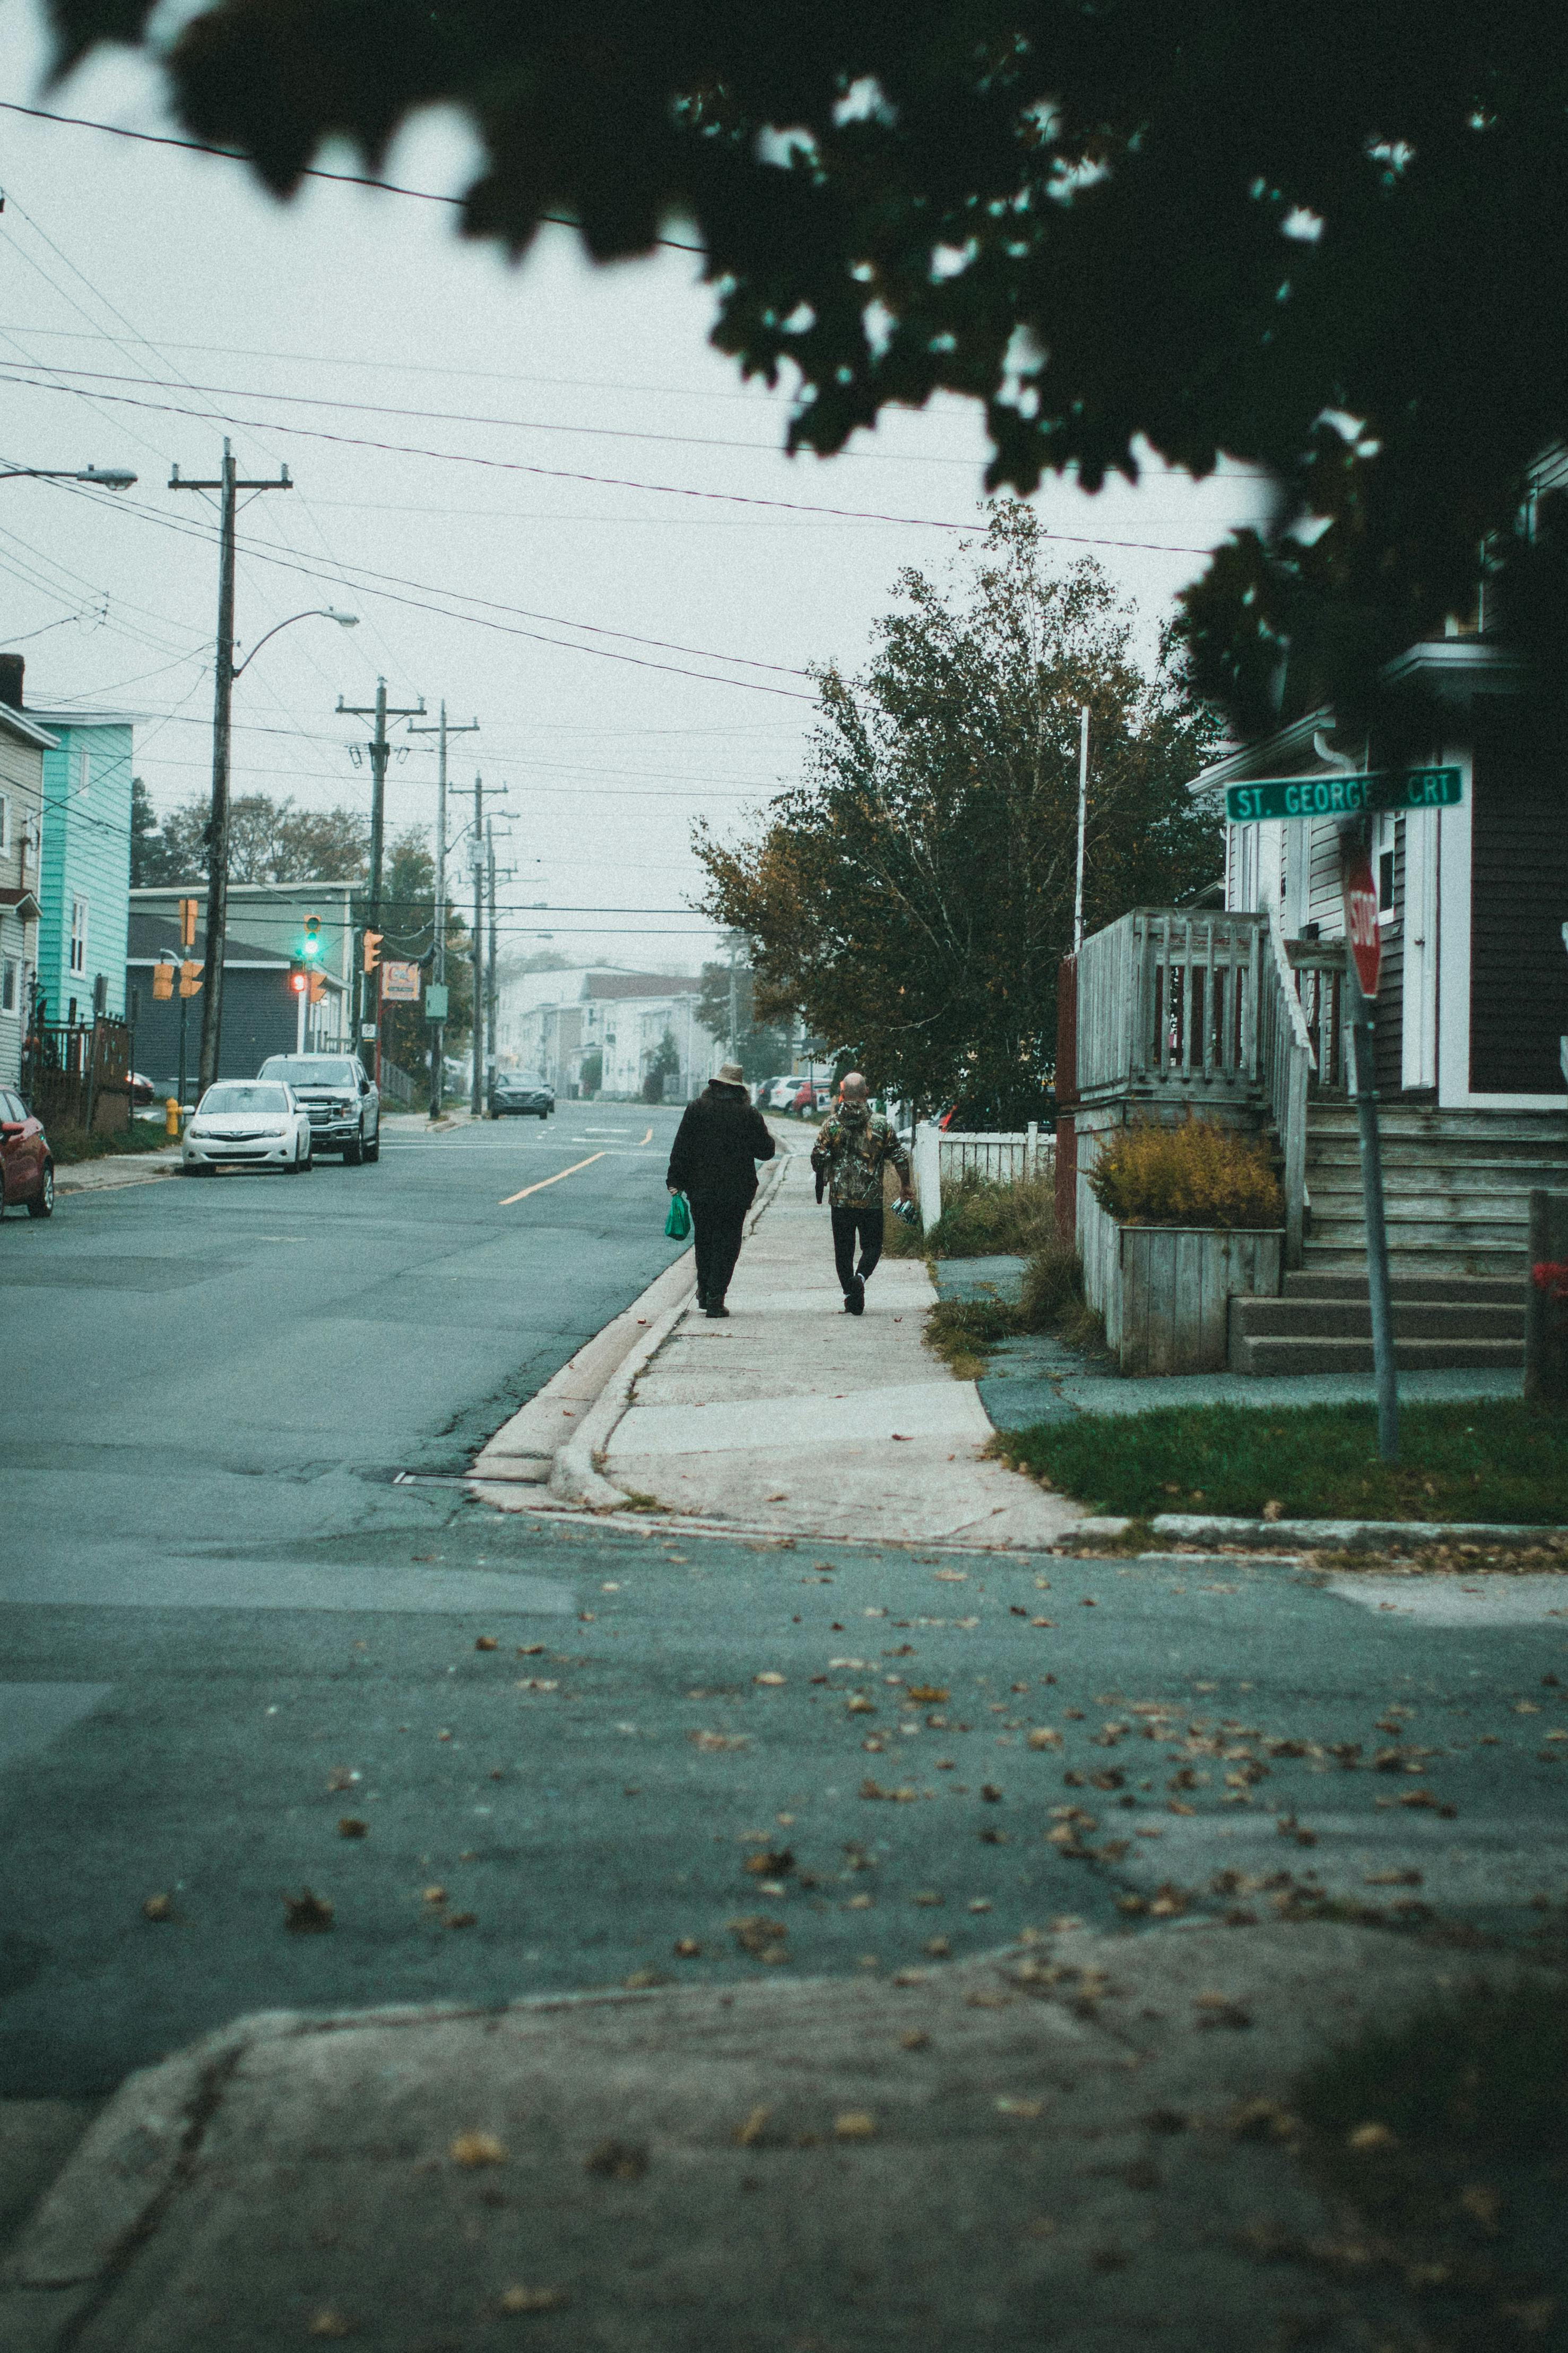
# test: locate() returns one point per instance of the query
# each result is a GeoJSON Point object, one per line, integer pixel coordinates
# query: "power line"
{"type": "Point", "coordinates": [307, 171]}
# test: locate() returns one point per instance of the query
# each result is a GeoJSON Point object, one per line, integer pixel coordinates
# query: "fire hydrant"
{"type": "Point", "coordinates": [171, 1118]}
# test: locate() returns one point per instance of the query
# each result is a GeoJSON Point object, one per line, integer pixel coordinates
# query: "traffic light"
{"type": "Point", "coordinates": [373, 950]}
{"type": "Point", "coordinates": [187, 923]}
{"type": "Point", "coordinates": [318, 987]}
{"type": "Point", "coordinates": [190, 977]}
{"type": "Point", "coordinates": [312, 947]}
{"type": "Point", "coordinates": [163, 980]}
{"type": "Point", "coordinates": [299, 978]}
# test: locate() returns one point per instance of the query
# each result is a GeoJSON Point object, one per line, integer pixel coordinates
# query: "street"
{"type": "Point", "coordinates": [513, 1756]}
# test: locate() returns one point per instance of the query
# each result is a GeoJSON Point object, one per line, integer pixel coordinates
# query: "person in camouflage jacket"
{"type": "Point", "coordinates": [848, 1157]}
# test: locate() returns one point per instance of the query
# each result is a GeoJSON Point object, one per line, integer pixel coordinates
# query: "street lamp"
{"type": "Point", "coordinates": [103, 478]}
{"type": "Point", "coordinates": [315, 613]}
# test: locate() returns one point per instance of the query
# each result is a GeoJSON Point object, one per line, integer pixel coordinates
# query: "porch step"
{"type": "Point", "coordinates": [1323, 1323]}
{"type": "Point", "coordinates": [1456, 1187]}
{"type": "Point", "coordinates": [1278, 1355]}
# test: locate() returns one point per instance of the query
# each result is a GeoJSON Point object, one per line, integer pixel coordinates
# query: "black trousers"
{"type": "Point", "coordinates": [719, 1219]}
{"type": "Point", "coordinates": [849, 1226]}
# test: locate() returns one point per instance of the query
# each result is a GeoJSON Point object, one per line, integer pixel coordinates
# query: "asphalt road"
{"type": "Point", "coordinates": [223, 1631]}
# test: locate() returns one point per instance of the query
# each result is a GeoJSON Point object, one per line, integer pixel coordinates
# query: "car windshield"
{"type": "Point", "coordinates": [310, 1070]}
{"type": "Point", "coordinates": [251, 1098]}
{"type": "Point", "coordinates": [518, 1078]}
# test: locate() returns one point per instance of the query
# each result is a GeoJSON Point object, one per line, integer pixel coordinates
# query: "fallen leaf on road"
{"type": "Point", "coordinates": [715, 1740]}
{"type": "Point", "coordinates": [350, 1826]}
{"type": "Point", "coordinates": [643, 1981]}
{"type": "Point", "coordinates": [529, 1649]}
{"type": "Point", "coordinates": [759, 1934]}
{"type": "Point", "coordinates": [1371, 2138]}
{"type": "Point", "coordinates": [991, 1793]}
{"type": "Point", "coordinates": [950, 1575]}
{"type": "Point", "coordinates": [306, 1915]}
{"type": "Point", "coordinates": [914, 2038]}
{"type": "Point", "coordinates": [858, 1705]}
{"type": "Point", "coordinates": [1391, 1879]}
{"type": "Point", "coordinates": [1482, 2204]}
{"type": "Point", "coordinates": [158, 1908]}
{"type": "Point", "coordinates": [980, 1903]}
{"type": "Point", "coordinates": [1088, 1604]}
{"type": "Point", "coordinates": [474, 2148]}
{"type": "Point", "coordinates": [486, 1643]}
{"type": "Point", "coordinates": [533, 2299]}
{"type": "Point", "coordinates": [747, 2134]}
{"type": "Point", "coordinates": [855, 2124]}
{"type": "Point", "coordinates": [686, 1948]}
{"type": "Point", "coordinates": [768, 1865]}
{"type": "Point", "coordinates": [1262, 2120]}
{"type": "Point", "coordinates": [618, 2160]}
{"type": "Point", "coordinates": [342, 1777]}
{"type": "Point", "coordinates": [462, 1920]}
{"type": "Point", "coordinates": [528, 1683]}
{"type": "Point", "coordinates": [937, 1948]}
{"type": "Point", "coordinates": [330, 2323]}
{"type": "Point", "coordinates": [1007, 2106]}
{"type": "Point", "coordinates": [932, 1694]}
{"type": "Point", "coordinates": [1042, 1621]}
{"type": "Point", "coordinates": [1042, 1736]}
{"type": "Point", "coordinates": [1273, 1510]}
{"type": "Point", "coordinates": [769, 1675]}
{"type": "Point", "coordinates": [435, 1895]}
{"type": "Point", "coordinates": [928, 1895]}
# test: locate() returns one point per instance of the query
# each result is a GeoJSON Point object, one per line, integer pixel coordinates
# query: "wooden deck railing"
{"type": "Point", "coordinates": [1169, 1000]}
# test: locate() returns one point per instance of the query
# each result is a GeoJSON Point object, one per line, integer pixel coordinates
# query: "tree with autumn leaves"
{"type": "Point", "coordinates": [911, 898]}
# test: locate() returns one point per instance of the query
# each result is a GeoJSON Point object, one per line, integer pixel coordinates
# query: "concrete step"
{"type": "Point", "coordinates": [1276, 1355]}
{"type": "Point", "coordinates": [1351, 1319]}
{"type": "Point", "coordinates": [1475, 1291]}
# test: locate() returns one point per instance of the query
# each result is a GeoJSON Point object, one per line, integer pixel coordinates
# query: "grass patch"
{"type": "Point", "coordinates": [1495, 1458]}
{"type": "Point", "coordinates": [1445, 2138]}
{"type": "Point", "coordinates": [962, 1332]}
{"type": "Point", "coordinates": [68, 1147]}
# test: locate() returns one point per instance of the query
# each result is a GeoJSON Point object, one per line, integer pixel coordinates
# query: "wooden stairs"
{"type": "Point", "coordinates": [1456, 1188]}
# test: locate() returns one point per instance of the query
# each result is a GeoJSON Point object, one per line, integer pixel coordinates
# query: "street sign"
{"type": "Point", "coordinates": [1362, 929]}
{"type": "Point", "coordinates": [1342, 796]}
{"type": "Point", "coordinates": [400, 984]}
{"type": "Point", "coordinates": [435, 1002]}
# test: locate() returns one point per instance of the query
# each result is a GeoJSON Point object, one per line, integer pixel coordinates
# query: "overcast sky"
{"type": "Point", "coordinates": [555, 441]}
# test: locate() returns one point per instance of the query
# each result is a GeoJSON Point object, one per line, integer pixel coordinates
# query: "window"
{"type": "Point", "coordinates": [79, 936]}
{"type": "Point", "coordinates": [83, 775]}
{"type": "Point", "coordinates": [9, 975]}
{"type": "Point", "coordinates": [1384, 844]}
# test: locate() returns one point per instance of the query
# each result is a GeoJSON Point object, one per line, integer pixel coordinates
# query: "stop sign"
{"type": "Point", "coordinates": [1362, 927]}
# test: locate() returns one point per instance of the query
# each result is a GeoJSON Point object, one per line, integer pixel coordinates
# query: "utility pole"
{"type": "Point", "coordinates": [380, 753]}
{"type": "Point", "coordinates": [228, 485]}
{"type": "Point", "coordinates": [476, 1099]}
{"type": "Point", "coordinates": [439, 1029]}
{"type": "Point", "coordinates": [1082, 826]}
{"type": "Point", "coordinates": [490, 1007]}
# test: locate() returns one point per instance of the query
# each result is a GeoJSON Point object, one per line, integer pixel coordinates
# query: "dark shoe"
{"type": "Point", "coordinates": [849, 1307]}
{"type": "Point", "coordinates": [856, 1302]}
{"type": "Point", "coordinates": [716, 1307]}
{"type": "Point", "coordinates": [701, 1301]}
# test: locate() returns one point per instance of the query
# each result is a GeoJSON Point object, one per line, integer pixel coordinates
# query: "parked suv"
{"type": "Point", "coordinates": [515, 1094]}
{"type": "Point", "coordinates": [26, 1167]}
{"type": "Point", "coordinates": [342, 1100]}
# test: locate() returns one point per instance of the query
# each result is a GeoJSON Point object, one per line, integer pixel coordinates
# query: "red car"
{"type": "Point", "coordinates": [26, 1169]}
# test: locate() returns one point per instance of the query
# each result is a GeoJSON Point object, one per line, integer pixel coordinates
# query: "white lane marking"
{"type": "Point", "coordinates": [556, 1179]}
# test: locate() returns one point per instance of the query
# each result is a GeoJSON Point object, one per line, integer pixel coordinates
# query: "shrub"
{"type": "Point", "coordinates": [981, 1220]}
{"type": "Point", "coordinates": [1197, 1174]}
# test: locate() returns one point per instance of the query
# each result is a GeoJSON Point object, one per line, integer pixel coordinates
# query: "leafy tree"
{"type": "Point", "coordinates": [592, 1077]}
{"type": "Point", "coordinates": [1215, 226]}
{"type": "Point", "coordinates": [269, 841]}
{"type": "Point", "coordinates": [408, 928]}
{"type": "Point", "coordinates": [148, 857]}
{"type": "Point", "coordinates": [912, 898]}
{"type": "Point", "coordinates": [761, 1051]}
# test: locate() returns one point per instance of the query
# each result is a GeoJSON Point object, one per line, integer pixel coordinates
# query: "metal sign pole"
{"type": "Point", "coordinates": [1363, 961]}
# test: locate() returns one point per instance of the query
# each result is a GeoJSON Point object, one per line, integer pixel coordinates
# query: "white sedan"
{"type": "Point", "coordinates": [248, 1123]}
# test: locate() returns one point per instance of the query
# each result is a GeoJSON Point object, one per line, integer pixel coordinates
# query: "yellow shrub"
{"type": "Point", "coordinates": [1198, 1173]}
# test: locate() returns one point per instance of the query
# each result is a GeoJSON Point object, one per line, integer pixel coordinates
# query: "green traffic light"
{"type": "Point", "coordinates": [312, 935]}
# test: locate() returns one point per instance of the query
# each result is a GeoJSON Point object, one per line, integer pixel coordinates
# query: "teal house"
{"type": "Point", "coordinates": [84, 884]}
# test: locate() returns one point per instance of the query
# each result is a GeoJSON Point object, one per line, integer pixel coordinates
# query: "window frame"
{"type": "Point", "coordinates": [78, 962]}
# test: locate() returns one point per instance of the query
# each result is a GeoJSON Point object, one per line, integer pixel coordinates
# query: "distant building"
{"type": "Point", "coordinates": [260, 1011]}
{"type": "Point", "coordinates": [23, 744]}
{"type": "Point", "coordinates": [85, 887]}
{"type": "Point", "coordinates": [554, 1022]}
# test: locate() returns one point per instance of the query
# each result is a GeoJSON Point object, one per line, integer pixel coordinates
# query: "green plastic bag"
{"type": "Point", "coordinates": [677, 1225]}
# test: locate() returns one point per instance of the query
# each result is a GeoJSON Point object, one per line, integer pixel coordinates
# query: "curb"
{"type": "Point", "coordinates": [575, 1475]}
{"type": "Point", "coordinates": [1336, 1535]}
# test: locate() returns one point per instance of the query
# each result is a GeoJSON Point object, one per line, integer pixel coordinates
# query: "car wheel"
{"type": "Point", "coordinates": [355, 1153]}
{"type": "Point", "coordinates": [372, 1149]}
{"type": "Point", "coordinates": [42, 1204]}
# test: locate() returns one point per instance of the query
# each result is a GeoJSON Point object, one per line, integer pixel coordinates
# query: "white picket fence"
{"type": "Point", "coordinates": [940, 1158]}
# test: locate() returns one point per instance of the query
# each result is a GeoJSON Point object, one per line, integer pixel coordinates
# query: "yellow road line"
{"type": "Point", "coordinates": [552, 1180]}
{"type": "Point", "coordinates": [648, 1137]}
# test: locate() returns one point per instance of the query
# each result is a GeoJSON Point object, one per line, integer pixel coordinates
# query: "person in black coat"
{"type": "Point", "coordinates": [719, 1139]}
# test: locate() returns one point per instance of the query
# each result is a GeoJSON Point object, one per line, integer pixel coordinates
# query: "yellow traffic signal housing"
{"type": "Point", "coordinates": [318, 987]}
{"type": "Point", "coordinates": [190, 977]}
{"type": "Point", "coordinates": [373, 950]}
{"type": "Point", "coordinates": [312, 946]}
{"type": "Point", "coordinates": [163, 980]}
{"type": "Point", "coordinates": [187, 923]}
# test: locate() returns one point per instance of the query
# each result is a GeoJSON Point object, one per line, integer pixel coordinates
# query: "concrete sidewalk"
{"type": "Point", "coordinates": [1057, 2145]}
{"type": "Point", "coordinates": [793, 1418]}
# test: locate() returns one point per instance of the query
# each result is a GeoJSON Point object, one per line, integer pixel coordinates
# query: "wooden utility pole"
{"type": "Point", "coordinates": [380, 753]}
{"type": "Point", "coordinates": [228, 486]}
{"type": "Point", "coordinates": [438, 1029]}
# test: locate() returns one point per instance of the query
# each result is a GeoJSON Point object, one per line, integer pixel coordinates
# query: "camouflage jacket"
{"type": "Point", "coordinates": [849, 1152]}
